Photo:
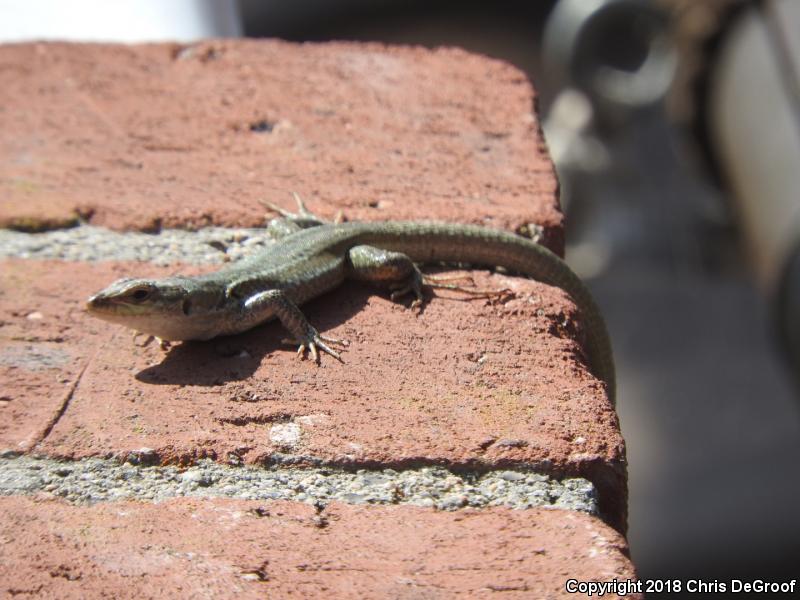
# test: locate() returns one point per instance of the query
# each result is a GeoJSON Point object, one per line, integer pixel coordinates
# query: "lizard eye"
{"type": "Point", "coordinates": [140, 294]}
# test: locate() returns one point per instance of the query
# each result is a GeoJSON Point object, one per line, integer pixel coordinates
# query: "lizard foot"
{"type": "Point", "coordinates": [145, 343]}
{"type": "Point", "coordinates": [313, 342]}
{"type": "Point", "coordinates": [163, 344]}
{"type": "Point", "coordinates": [416, 281]}
{"type": "Point", "coordinates": [436, 282]}
{"type": "Point", "coordinates": [302, 211]}
{"type": "Point", "coordinates": [412, 285]}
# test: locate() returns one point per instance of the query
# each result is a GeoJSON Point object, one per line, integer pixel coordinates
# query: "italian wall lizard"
{"type": "Point", "coordinates": [312, 257]}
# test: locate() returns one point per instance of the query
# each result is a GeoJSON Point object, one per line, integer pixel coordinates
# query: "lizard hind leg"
{"type": "Point", "coordinates": [393, 269]}
{"type": "Point", "coordinates": [289, 222]}
{"type": "Point", "coordinates": [399, 273]}
{"type": "Point", "coordinates": [403, 277]}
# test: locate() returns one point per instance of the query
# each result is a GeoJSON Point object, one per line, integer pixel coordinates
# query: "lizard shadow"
{"type": "Point", "coordinates": [237, 357]}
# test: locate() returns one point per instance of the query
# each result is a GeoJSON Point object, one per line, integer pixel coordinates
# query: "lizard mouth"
{"type": "Point", "coordinates": [104, 305]}
{"type": "Point", "coordinates": [95, 304]}
{"type": "Point", "coordinates": [99, 304]}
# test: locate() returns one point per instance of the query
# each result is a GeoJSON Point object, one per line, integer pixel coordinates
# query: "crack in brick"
{"type": "Point", "coordinates": [64, 404]}
{"type": "Point", "coordinates": [257, 419]}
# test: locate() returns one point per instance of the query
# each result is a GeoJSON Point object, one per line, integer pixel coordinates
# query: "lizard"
{"type": "Point", "coordinates": [312, 256]}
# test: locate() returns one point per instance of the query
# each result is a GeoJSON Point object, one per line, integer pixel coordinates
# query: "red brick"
{"type": "Point", "coordinates": [45, 343]}
{"type": "Point", "coordinates": [235, 549]}
{"type": "Point", "coordinates": [160, 135]}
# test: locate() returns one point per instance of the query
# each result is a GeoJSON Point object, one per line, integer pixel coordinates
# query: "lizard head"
{"type": "Point", "coordinates": [152, 306]}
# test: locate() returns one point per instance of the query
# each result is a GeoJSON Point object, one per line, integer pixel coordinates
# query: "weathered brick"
{"type": "Point", "coordinates": [163, 135]}
{"type": "Point", "coordinates": [235, 549]}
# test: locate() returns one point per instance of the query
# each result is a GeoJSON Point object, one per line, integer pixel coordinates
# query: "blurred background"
{"type": "Point", "coordinates": [675, 129]}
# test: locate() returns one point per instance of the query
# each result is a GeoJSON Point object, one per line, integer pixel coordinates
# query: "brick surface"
{"type": "Point", "coordinates": [466, 383]}
{"type": "Point", "coordinates": [145, 137]}
{"type": "Point", "coordinates": [45, 344]}
{"type": "Point", "coordinates": [233, 549]}
{"type": "Point", "coordinates": [164, 135]}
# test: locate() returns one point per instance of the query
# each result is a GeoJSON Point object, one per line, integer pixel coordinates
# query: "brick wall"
{"type": "Point", "coordinates": [430, 462]}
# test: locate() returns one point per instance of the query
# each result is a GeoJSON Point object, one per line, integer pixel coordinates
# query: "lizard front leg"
{"type": "Point", "coordinates": [275, 303]}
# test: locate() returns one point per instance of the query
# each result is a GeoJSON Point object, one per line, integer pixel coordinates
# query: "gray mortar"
{"type": "Point", "coordinates": [211, 245]}
{"type": "Point", "coordinates": [93, 480]}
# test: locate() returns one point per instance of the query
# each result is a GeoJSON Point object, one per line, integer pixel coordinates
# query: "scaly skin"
{"type": "Point", "coordinates": [312, 261]}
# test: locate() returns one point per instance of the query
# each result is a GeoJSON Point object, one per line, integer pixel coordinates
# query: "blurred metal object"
{"type": "Point", "coordinates": [695, 27]}
{"type": "Point", "coordinates": [570, 139]}
{"type": "Point", "coordinates": [609, 65]}
{"type": "Point", "coordinates": [754, 117]}
{"type": "Point", "coordinates": [617, 52]}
